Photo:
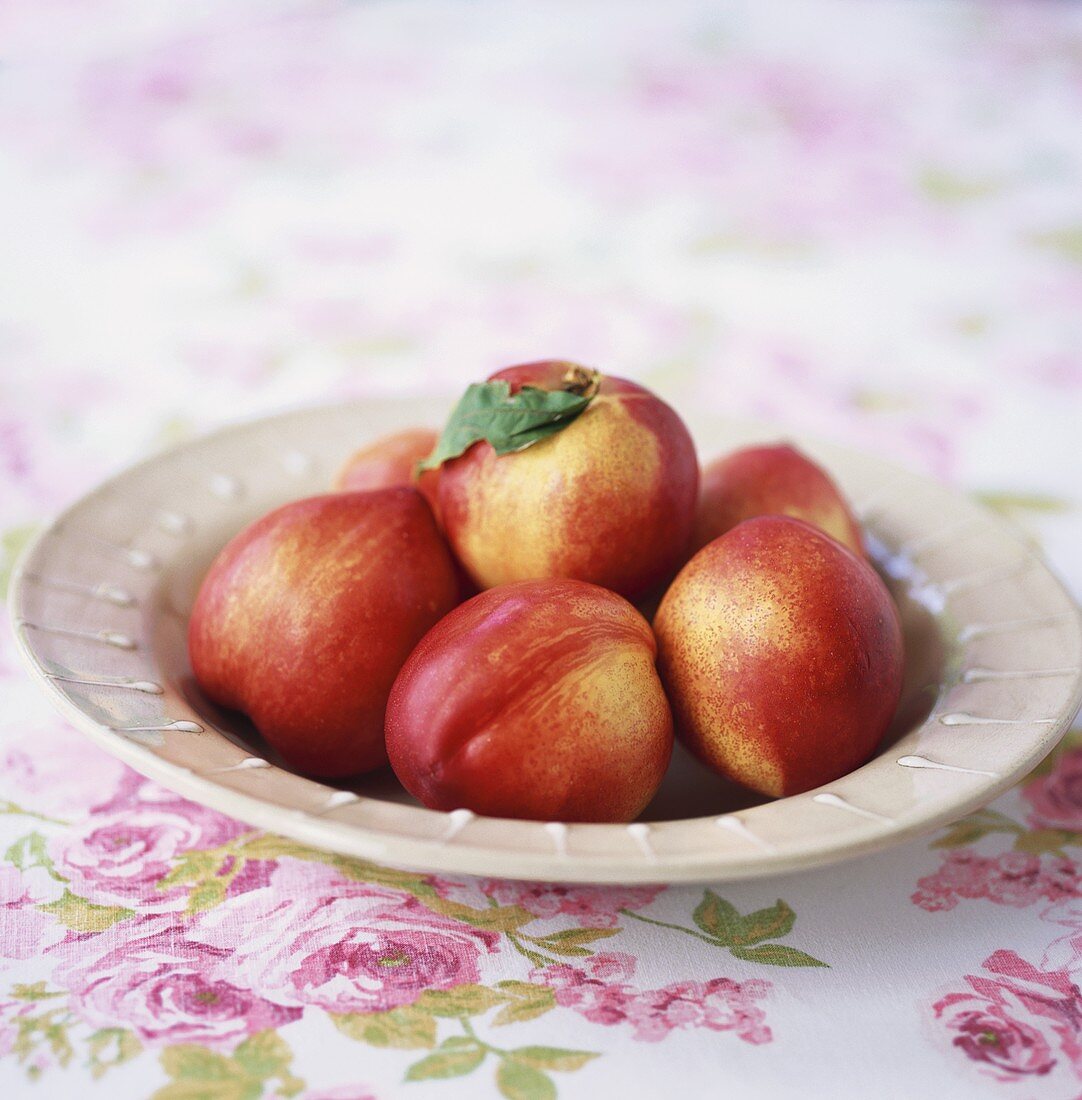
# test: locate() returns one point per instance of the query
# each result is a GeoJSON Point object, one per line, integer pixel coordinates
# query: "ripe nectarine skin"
{"type": "Point", "coordinates": [781, 652]}
{"type": "Point", "coordinates": [533, 700]}
{"type": "Point", "coordinates": [306, 616]}
{"type": "Point", "coordinates": [609, 499]}
{"type": "Point", "coordinates": [390, 461]}
{"type": "Point", "coordinates": [774, 480]}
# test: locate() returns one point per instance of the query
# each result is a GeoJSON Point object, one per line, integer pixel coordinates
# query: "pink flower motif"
{"type": "Point", "coordinates": [312, 937]}
{"type": "Point", "coordinates": [10, 1012]}
{"type": "Point", "coordinates": [1065, 952]}
{"type": "Point", "coordinates": [25, 931]}
{"type": "Point", "coordinates": [719, 1004]}
{"type": "Point", "coordinates": [1017, 879]}
{"type": "Point", "coordinates": [1018, 1022]}
{"type": "Point", "coordinates": [989, 1035]}
{"type": "Point", "coordinates": [1056, 798]}
{"type": "Point", "coordinates": [58, 772]}
{"type": "Point", "coordinates": [119, 858]}
{"type": "Point", "coordinates": [591, 906]}
{"type": "Point", "coordinates": [160, 985]}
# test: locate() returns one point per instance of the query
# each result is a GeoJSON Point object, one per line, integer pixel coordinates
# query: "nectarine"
{"type": "Point", "coordinates": [609, 498]}
{"type": "Point", "coordinates": [306, 616]}
{"type": "Point", "coordinates": [772, 480]}
{"type": "Point", "coordinates": [534, 700]}
{"type": "Point", "coordinates": [390, 461]}
{"type": "Point", "coordinates": [781, 652]}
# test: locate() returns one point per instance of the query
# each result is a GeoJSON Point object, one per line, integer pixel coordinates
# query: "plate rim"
{"type": "Point", "coordinates": [438, 854]}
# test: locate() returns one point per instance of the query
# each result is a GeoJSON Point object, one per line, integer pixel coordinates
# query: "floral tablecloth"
{"type": "Point", "coordinates": [863, 219]}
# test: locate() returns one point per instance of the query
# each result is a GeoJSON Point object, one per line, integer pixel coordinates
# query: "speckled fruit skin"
{"type": "Point", "coordinates": [774, 480]}
{"type": "Point", "coordinates": [533, 700]}
{"type": "Point", "coordinates": [306, 616]}
{"type": "Point", "coordinates": [781, 652]}
{"type": "Point", "coordinates": [609, 499]}
{"type": "Point", "coordinates": [390, 461]}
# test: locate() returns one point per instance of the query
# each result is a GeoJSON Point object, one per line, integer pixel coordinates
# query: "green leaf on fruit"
{"type": "Point", "coordinates": [490, 412]}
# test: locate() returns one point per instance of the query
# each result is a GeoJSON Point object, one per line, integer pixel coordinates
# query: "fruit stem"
{"type": "Point", "coordinates": [581, 380]}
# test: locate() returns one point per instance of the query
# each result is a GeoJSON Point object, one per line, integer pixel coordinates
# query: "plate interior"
{"type": "Point", "coordinates": [992, 676]}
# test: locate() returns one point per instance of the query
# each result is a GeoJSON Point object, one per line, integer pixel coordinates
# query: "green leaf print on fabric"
{"type": "Point", "coordinates": [455, 1058]}
{"type": "Point", "coordinates": [201, 1074]}
{"type": "Point", "coordinates": [109, 1047]}
{"type": "Point", "coordinates": [12, 543]}
{"type": "Point", "coordinates": [520, 1073]}
{"type": "Point", "coordinates": [80, 915]}
{"type": "Point", "coordinates": [721, 924]}
{"type": "Point", "coordinates": [407, 1028]}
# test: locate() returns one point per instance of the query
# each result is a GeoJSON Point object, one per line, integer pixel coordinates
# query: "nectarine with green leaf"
{"type": "Point", "coordinates": [552, 470]}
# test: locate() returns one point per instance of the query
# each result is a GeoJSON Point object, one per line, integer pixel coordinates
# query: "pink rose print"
{"type": "Point", "coordinates": [25, 931]}
{"type": "Point", "coordinates": [719, 1004]}
{"type": "Point", "coordinates": [1018, 1023]}
{"type": "Point", "coordinates": [159, 985]}
{"type": "Point", "coordinates": [56, 771]}
{"type": "Point", "coordinates": [591, 906]}
{"type": "Point", "coordinates": [1056, 799]}
{"type": "Point", "coordinates": [313, 937]}
{"type": "Point", "coordinates": [1013, 878]}
{"type": "Point", "coordinates": [119, 858]}
{"type": "Point", "coordinates": [991, 1036]}
{"type": "Point", "coordinates": [1064, 953]}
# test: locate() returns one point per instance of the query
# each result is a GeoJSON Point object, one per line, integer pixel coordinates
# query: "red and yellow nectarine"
{"type": "Point", "coordinates": [610, 498]}
{"type": "Point", "coordinates": [534, 700]}
{"type": "Point", "coordinates": [390, 461]}
{"type": "Point", "coordinates": [306, 616]}
{"type": "Point", "coordinates": [771, 480]}
{"type": "Point", "coordinates": [781, 653]}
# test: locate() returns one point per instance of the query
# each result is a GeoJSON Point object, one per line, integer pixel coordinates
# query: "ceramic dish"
{"type": "Point", "coordinates": [100, 604]}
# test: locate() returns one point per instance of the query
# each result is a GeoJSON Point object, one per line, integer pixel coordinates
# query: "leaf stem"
{"type": "Point", "coordinates": [488, 1048]}
{"type": "Point", "coordinates": [675, 927]}
{"type": "Point", "coordinates": [13, 808]}
{"type": "Point", "coordinates": [535, 957]}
